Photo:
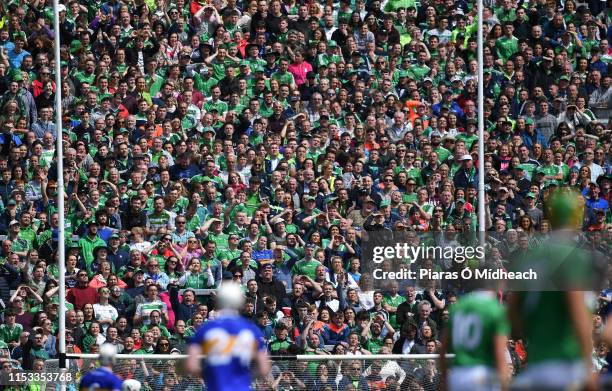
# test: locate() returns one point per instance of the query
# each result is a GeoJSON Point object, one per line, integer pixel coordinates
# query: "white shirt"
{"type": "Point", "coordinates": [366, 299]}
{"type": "Point", "coordinates": [105, 312]}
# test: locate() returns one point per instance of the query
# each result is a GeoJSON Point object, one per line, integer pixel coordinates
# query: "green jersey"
{"type": "Point", "coordinates": [506, 47]}
{"type": "Point", "coordinates": [550, 170]}
{"type": "Point", "coordinates": [557, 342]}
{"type": "Point", "coordinates": [306, 267]}
{"type": "Point", "coordinates": [393, 301]}
{"type": "Point", "coordinates": [565, 265]}
{"type": "Point", "coordinates": [474, 321]}
{"type": "Point", "coordinates": [10, 333]}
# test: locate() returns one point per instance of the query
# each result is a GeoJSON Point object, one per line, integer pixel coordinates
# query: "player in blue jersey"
{"type": "Point", "coordinates": [103, 378]}
{"type": "Point", "coordinates": [230, 343]}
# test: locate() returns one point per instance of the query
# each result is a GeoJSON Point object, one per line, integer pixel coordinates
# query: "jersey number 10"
{"type": "Point", "coordinates": [467, 331]}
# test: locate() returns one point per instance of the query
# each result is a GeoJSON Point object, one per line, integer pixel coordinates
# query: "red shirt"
{"type": "Point", "coordinates": [80, 296]}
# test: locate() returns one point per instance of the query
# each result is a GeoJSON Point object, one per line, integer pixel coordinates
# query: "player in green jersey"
{"type": "Point", "coordinates": [478, 329]}
{"type": "Point", "coordinates": [556, 323]}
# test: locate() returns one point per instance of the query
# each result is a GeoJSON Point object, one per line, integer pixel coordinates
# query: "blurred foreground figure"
{"type": "Point", "coordinates": [103, 378]}
{"type": "Point", "coordinates": [554, 320]}
{"type": "Point", "coordinates": [230, 343]}
{"type": "Point", "coordinates": [478, 332]}
{"type": "Point", "coordinates": [131, 385]}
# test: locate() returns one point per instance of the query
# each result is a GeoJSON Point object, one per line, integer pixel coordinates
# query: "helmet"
{"type": "Point", "coordinates": [107, 354]}
{"type": "Point", "coordinates": [130, 385]}
{"type": "Point", "coordinates": [230, 296]}
{"type": "Point", "coordinates": [564, 208]}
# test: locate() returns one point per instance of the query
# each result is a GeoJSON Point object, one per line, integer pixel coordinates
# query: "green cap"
{"type": "Point", "coordinates": [245, 63]}
{"type": "Point", "coordinates": [530, 195]}
{"type": "Point", "coordinates": [529, 121]}
{"type": "Point", "coordinates": [384, 203]}
{"type": "Point", "coordinates": [330, 200]}
{"type": "Point", "coordinates": [564, 77]}
{"type": "Point", "coordinates": [19, 35]}
{"type": "Point", "coordinates": [331, 43]}
{"type": "Point", "coordinates": [209, 129]}
{"type": "Point", "coordinates": [75, 46]}
{"type": "Point", "coordinates": [17, 76]}
{"type": "Point", "coordinates": [309, 198]}
{"type": "Point", "coordinates": [462, 200]}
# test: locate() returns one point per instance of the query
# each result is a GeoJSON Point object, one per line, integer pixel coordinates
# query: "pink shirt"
{"type": "Point", "coordinates": [299, 71]}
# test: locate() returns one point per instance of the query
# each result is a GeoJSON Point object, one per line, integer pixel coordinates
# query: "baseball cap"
{"type": "Point", "coordinates": [13, 222]}
{"type": "Point", "coordinates": [209, 129]}
{"type": "Point", "coordinates": [466, 157]}
{"type": "Point", "coordinates": [17, 76]}
{"type": "Point", "coordinates": [530, 195]}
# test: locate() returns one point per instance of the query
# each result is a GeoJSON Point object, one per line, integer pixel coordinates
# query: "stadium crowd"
{"type": "Point", "coordinates": [259, 142]}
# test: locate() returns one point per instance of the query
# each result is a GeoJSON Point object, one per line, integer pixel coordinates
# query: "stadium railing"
{"type": "Point", "coordinates": [298, 372]}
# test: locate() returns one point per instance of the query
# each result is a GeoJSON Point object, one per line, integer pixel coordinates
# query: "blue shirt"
{"type": "Point", "coordinates": [15, 59]}
{"type": "Point", "coordinates": [14, 138]}
{"type": "Point", "coordinates": [230, 344]}
{"type": "Point", "coordinates": [100, 379]}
